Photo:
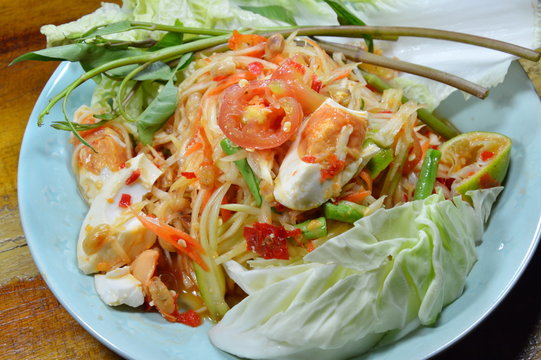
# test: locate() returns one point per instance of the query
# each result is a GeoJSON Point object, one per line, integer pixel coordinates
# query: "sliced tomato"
{"type": "Point", "coordinates": [268, 240]}
{"type": "Point", "coordinates": [291, 73]}
{"type": "Point", "coordinates": [251, 117]}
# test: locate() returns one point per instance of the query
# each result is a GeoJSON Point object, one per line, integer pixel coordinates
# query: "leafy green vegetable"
{"type": "Point", "coordinates": [169, 39]}
{"type": "Point", "coordinates": [273, 12]}
{"type": "Point", "coordinates": [345, 211]}
{"type": "Point", "coordinates": [427, 176]}
{"type": "Point", "coordinates": [155, 71]}
{"type": "Point", "coordinates": [90, 55]}
{"type": "Point", "coordinates": [162, 107]}
{"type": "Point", "coordinates": [346, 17]}
{"type": "Point", "coordinates": [113, 28]}
{"type": "Point", "coordinates": [244, 168]}
{"type": "Point", "coordinates": [393, 270]}
{"type": "Point", "coordinates": [64, 125]}
{"type": "Point", "coordinates": [313, 228]}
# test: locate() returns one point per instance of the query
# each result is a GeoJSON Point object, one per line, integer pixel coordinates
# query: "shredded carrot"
{"type": "Point", "coordinates": [365, 175]}
{"type": "Point", "coordinates": [207, 150]}
{"type": "Point", "coordinates": [424, 148]}
{"type": "Point", "coordinates": [239, 41]}
{"type": "Point", "coordinates": [345, 74]}
{"type": "Point", "coordinates": [172, 235]}
{"type": "Point", "coordinates": [230, 80]}
{"type": "Point", "coordinates": [224, 213]}
{"type": "Point", "coordinates": [193, 148]}
{"type": "Point", "coordinates": [205, 200]}
{"type": "Point", "coordinates": [417, 151]}
{"type": "Point", "coordinates": [357, 197]}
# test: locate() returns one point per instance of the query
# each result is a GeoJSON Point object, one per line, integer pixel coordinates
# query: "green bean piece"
{"type": "Point", "coordinates": [244, 168]}
{"type": "Point", "coordinates": [441, 127]}
{"type": "Point", "coordinates": [427, 176]}
{"type": "Point", "coordinates": [345, 211]}
{"type": "Point", "coordinates": [379, 162]}
{"type": "Point", "coordinates": [313, 228]}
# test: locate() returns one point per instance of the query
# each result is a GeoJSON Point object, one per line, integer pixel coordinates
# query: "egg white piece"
{"type": "Point", "coordinates": [298, 185]}
{"type": "Point", "coordinates": [89, 183]}
{"type": "Point", "coordinates": [124, 236]}
{"type": "Point", "coordinates": [118, 287]}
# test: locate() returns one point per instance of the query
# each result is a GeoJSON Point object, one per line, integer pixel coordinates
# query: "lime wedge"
{"type": "Point", "coordinates": [477, 160]}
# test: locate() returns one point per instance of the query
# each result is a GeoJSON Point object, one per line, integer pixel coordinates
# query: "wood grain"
{"type": "Point", "coordinates": [35, 326]}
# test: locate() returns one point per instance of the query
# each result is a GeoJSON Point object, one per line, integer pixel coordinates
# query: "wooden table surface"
{"type": "Point", "coordinates": [33, 325]}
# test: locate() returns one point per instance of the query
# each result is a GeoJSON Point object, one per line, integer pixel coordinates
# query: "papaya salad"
{"type": "Point", "coordinates": [275, 147]}
{"type": "Point", "coordinates": [274, 183]}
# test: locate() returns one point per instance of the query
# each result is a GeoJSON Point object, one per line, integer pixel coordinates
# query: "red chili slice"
{"type": "Point", "coordinates": [125, 201]}
{"type": "Point", "coordinates": [331, 167]}
{"type": "Point", "coordinates": [255, 68]}
{"type": "Point", "coordinates": [188, 174]}
{"type": "Point", "coordinates": [268, 240]}
{"type": "Point", "coordinates": [309, 159]}
{"type": "Point", "coordinates": [133, 177]}
{"type": "Point", "coordinates": [190, 318]}
{"type": "Point", "coordinates": [486, 155]}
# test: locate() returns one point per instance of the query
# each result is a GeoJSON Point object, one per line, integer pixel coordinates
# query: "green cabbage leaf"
{"type": "Point", "coordinates": [393, 271]}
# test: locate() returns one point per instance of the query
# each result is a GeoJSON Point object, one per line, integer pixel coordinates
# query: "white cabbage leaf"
{"type": "Point", "coordinates": [392, 271]}
{"type": "Point", "coordinates": [512, 21]}
{"type": "Point", "coordinates": [517, 22]}
{"type": "Point", "coordinates": [219, 14]}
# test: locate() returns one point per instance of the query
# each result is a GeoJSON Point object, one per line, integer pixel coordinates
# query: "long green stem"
{"type": "Point", "coordinates": [384, 31]}
{"type": "Point", "coordinates": [357, 54]}
{"type": "Point", "coordinates": [445, 129]}
{"type": "Point", "coordinates": [122, 91]}
{"type": "Point", "coordinates": [164, 55]}
{"type": "Point", "coordinates": [180, 29]}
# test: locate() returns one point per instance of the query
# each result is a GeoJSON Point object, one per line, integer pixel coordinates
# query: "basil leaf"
{"type": "Point", "coordinates": [89, 55]}
{"type": "Point", "coordinates": [71, 52]}
{"type": "Point", "coordinates": [346, 17]}
{"type": "Point", "coordinates": [113, 28]}
{"type": "Point", "coordinates": [273, 12]}
{"type": "Point", "coordinates": [157, 113]}
{"type": "Point", "coordinates": [155, 71]}
{"type": "Point", "coordinates": [169, 39]}
{"type": "Point", "coordinates": [99, 55]}
{"type": "Point", "coordinates": [162, 107]}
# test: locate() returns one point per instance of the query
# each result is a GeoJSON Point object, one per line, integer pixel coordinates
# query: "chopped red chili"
{"type": "Point", "coordinates": [268, 240]}
{"type": "Point", "coordinates": [255, 68]}
{"type": "Point", "coordinates": [125, 201]}
{"type": "Point", "coordinates": [309, 159]}
{"type": "Point", "coordinates": [487, 181]}
{"type": "Point", "coordinates": [486, 155]}
{"type": "Point", "coordinates": [190, 318]}
{"type": "Point", "coordinates": [331, 167]}
{"type": "Point", "coordinates": [188, 174]}
{"type": "Point", "coordinates": [133, 177]}
{"type": "Point", "coordinates": [373, 89]}
{"type": "Point", "coordinates": [220, 77]}
{"type": "Point", "coordinates": [316, 83]}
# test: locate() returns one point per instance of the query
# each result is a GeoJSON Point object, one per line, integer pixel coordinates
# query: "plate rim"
{"type": "Point", "coordinates": [42, 267]}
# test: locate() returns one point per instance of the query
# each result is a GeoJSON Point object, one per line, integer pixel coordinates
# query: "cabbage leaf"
{"type": "Point", "coordinates": [392, 271]}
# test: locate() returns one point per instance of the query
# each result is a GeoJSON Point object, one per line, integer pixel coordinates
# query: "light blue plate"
{"type": "Point", "coordinates": [52, 211]}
